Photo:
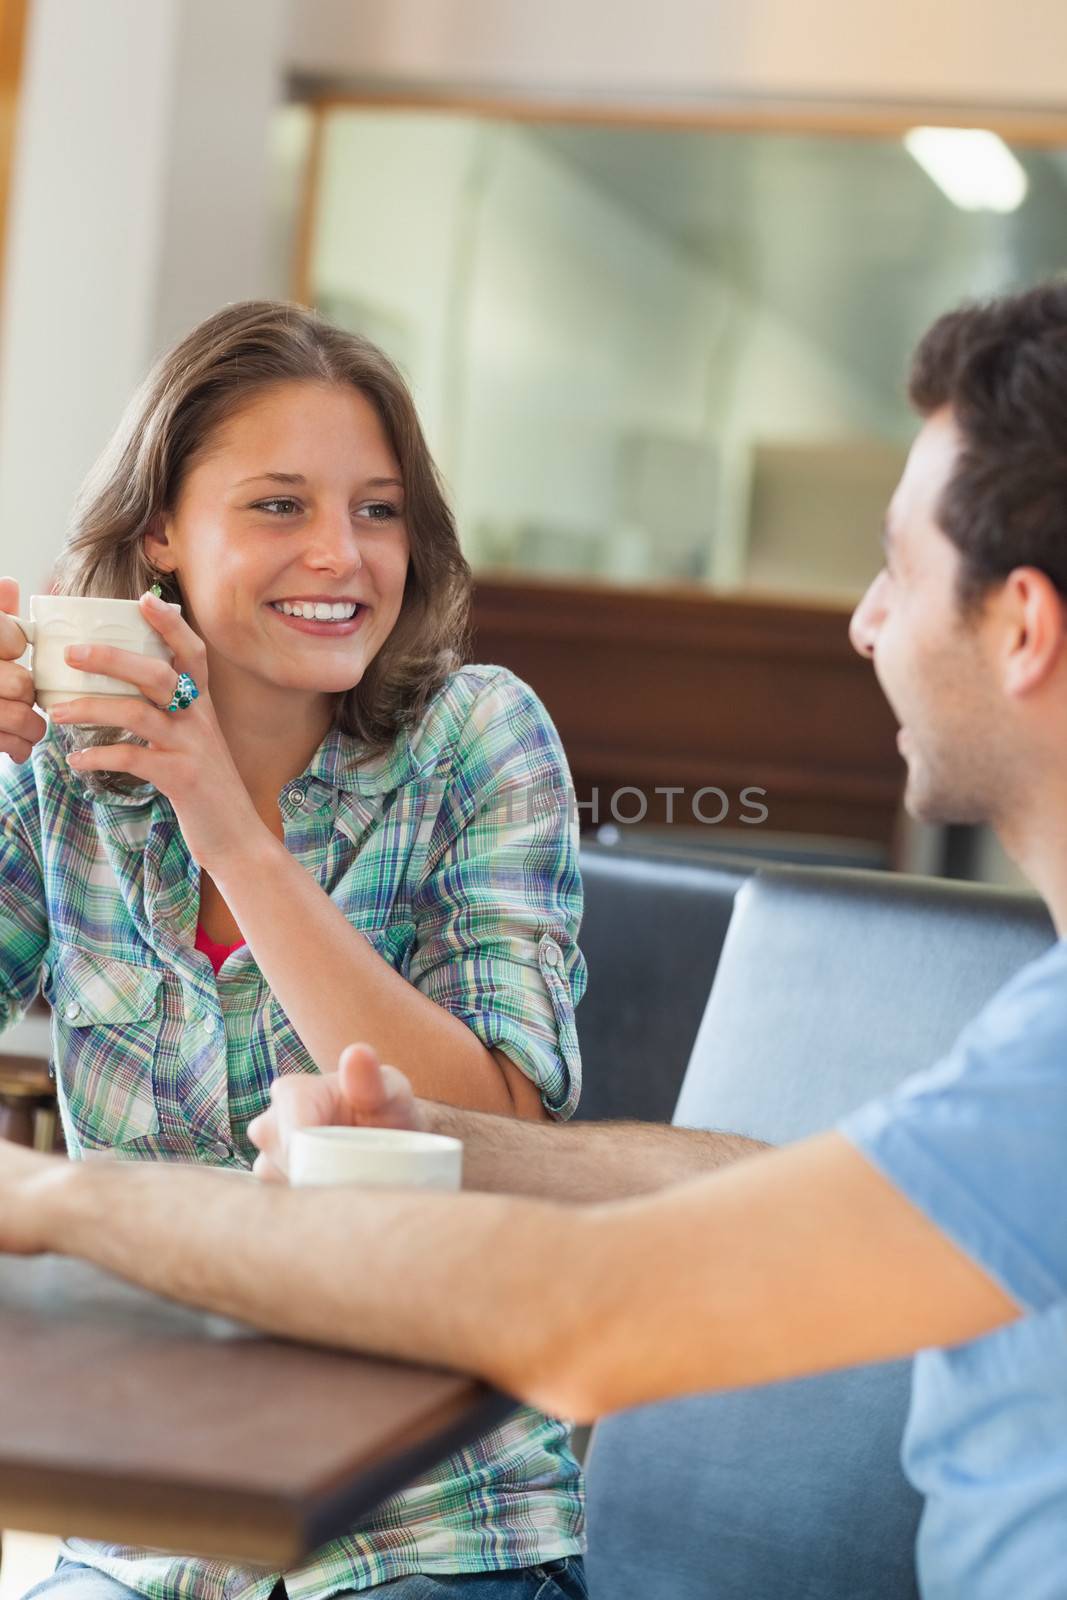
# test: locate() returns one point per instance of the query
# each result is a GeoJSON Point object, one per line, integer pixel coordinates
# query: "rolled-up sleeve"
{"type": "Point", "coordinates": [23, 916]}
{"type": "Point", "coordinates": [499, 905]}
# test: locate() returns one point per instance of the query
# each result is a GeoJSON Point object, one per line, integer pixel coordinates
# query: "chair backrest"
{"type": "Point", "coordinates": [831, 988]}
{"type": "Point", "coordinates": [651, 936]}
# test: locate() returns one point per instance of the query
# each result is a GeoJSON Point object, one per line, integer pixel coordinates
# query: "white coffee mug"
{"type": "Point", "coordinates": [58, 620]}
{"type": "Point", "coordinates": [382, 1157]}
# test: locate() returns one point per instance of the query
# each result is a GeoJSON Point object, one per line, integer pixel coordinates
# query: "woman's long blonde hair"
{"type": "Point", "coordinates": [190, 393]}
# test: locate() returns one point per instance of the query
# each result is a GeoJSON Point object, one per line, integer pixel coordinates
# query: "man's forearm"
{"type": "Point", "coordinates": [582, 1161]}
{"type": "Point", "coordinates": [471, 1281]}
{"type": "Point", "coordinates": [791, 1263]}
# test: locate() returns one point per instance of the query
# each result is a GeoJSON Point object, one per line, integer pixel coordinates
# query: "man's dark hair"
{"type": "Point", "coordinates": [1002, 368]}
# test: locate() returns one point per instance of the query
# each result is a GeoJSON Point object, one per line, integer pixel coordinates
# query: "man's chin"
{"type": "Point", "coordinates": [925, 802]}
{"type": "Point", "coordinates": [924, 810]}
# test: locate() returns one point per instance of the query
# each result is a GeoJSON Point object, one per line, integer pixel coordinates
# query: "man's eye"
{"type": "Point", "coordinates": [283, 506]}
{"type": "Point", "coordinates": [379, 511]}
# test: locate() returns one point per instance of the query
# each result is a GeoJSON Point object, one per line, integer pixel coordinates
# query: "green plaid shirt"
{"type": "Point", "coordinates": [456, 855]}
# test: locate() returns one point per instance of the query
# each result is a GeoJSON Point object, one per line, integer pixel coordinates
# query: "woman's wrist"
{"type": "Point", "coordinates": [257, 852]}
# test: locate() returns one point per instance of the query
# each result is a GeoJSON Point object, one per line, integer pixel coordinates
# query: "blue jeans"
{"type": "Point", "coordinates": [556, 1580]}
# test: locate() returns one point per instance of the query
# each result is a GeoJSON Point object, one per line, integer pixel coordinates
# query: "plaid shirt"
{"type": "Point", "coordinates": [455, 855]}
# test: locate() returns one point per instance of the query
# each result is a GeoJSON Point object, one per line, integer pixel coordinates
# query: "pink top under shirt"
{"type": "Point", "coordinates": [216, 953]}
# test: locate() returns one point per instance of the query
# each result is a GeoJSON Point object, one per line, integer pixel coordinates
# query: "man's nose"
{"type": "Point", "coordinates": [868, 617]}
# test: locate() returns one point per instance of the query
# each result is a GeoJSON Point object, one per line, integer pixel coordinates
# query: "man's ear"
{"type": "Point", "coordinates": [157, 546]}
{"type": "Point", "coordinates": [1037, 631]}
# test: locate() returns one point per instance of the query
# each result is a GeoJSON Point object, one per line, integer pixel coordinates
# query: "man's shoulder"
{"type": "Point", "coordinates": [1029, 1012]}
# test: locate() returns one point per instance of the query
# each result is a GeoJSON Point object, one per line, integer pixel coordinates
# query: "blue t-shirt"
{"type": "Point", "coordinates": [979, 1143]}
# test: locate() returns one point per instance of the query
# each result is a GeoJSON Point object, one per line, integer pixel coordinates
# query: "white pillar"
{"type": "Point", "coordinates": [227, 76]}
{"type": "Point", "coordinates": [138, 205]}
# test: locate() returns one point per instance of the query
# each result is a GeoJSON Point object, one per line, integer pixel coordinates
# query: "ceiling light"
{"type": "Point", "coordinates": [972, 166]}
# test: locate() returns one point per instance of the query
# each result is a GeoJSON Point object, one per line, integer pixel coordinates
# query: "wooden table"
{"type": "Point", "coordinates": [126, 1418]}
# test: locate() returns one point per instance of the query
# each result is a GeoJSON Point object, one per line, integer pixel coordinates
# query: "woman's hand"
{"type": "Point", "coordinates": [185, 755]}
{"type": "Point", "coordinates": [20, 725]}
{"type": "Point", "coordinates": [361, 1094]}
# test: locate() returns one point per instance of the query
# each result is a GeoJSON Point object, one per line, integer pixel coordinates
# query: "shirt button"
{"type": "Point", "coordinates": [221, 1148]}
{"type": "Point", "coordinates": [72, 1011]}
{"type": "Point", "coordinates": [552, 955]}
{"type": "Point", "coordinates": [296, 797]}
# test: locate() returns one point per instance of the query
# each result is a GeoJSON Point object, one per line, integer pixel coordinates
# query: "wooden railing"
{"type": "Point", "coordinates": [654, 690]}
{"type": "Point", "coordinates": [27, 1092]}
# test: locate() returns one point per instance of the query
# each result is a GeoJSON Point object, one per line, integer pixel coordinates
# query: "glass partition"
{"type": "Point", "coordinates": [649, 355]}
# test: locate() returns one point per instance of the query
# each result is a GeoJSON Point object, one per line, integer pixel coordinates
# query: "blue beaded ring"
{"type": "Point", "coordinates": [185, 692]}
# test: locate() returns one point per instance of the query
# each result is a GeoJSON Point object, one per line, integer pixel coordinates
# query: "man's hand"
{"type": "Point", "coordinates": [361, 1094]}
{"type": "Point", "coordinates": [27, 1182]}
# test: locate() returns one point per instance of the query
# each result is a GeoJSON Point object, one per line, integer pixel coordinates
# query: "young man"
{"type": "Point", "coordinates": [934, 1220]}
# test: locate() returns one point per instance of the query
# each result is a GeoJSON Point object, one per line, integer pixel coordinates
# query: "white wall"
{"type": "Point", "coordinates": [1001, 51]}
{"type": "Point", "coordinates": [138, 206]}
{"type": "Point", "coordinates": [227, 78]}
{"type": "Point", "coordinates": [84, 240]}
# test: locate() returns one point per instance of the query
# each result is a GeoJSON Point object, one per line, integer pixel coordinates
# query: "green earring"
{"type": "Point", "coordinates": [157, 591]}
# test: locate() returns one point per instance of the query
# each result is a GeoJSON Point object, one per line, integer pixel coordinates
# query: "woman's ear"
{"type": "Point", "coordinates": [158, 550]}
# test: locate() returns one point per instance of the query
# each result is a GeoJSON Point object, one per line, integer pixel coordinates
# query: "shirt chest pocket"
{"type": "Point", "coordinates": [107, 1016]}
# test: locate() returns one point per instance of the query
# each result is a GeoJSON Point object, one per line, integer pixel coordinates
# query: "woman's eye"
{"type": "Point", "coordinates": [282, 506]}
{"type": "Point", "coordinates": [379, 511]}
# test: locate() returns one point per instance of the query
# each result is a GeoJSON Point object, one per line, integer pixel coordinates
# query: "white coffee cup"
{"type": "Point", "coordinates": [382, 1157]}
{"type": "Point", "coordinates": [58, 620]}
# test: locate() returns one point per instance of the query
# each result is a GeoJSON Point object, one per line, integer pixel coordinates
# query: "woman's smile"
{"type": "Point", "coordinates": [330, 553]}
{"type": "Point", "coordinates": [321, 616]}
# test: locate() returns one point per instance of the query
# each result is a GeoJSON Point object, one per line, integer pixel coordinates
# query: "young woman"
{"type": "Point", "coordinates": [343, 834]}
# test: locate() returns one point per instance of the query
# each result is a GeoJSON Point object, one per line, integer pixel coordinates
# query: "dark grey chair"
{"type": "Point", "coordinates": [831, 987]}
{"type": "Point", "coordinates": [651, 936]}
